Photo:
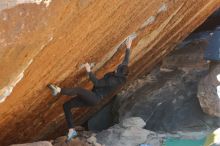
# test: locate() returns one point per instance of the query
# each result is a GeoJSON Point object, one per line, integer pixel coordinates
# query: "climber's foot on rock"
{"type": "Point", "coordinates": [54, 89]}
{"type": "Point", "coordinates": [72, 134]}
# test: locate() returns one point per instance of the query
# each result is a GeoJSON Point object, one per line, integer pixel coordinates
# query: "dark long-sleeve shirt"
{"type": "Point", "coordinates": [111, 81]}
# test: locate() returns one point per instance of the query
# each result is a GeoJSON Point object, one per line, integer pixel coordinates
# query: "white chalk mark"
{"type": "Point", "coordinates": [38, 2]}
{"type": "Point", "coordinates": [149, 21]}
{"type": "Point", "coordinates": [49, 40]}
{"type": "Point", "coordinates": [6, 91]}
{"type": "Point", "coordinates": [152, 19]}
{"type": "Point", "coordinates": [10, 4]}
{"type": "Point", "coordinates": [163, 8]}
{"type": "Point", "coordinates": [132, 36]}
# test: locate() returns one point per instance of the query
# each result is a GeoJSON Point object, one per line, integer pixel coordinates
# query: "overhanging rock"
{"type": "Point", "coordinates": [48, 41]}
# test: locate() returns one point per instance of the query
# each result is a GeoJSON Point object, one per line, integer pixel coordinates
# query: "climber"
{"type": "Point", "coordinates": [102, 88]}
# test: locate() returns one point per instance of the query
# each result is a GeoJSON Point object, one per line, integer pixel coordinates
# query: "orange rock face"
{"type": "Point", "coordinates": [48, 42]}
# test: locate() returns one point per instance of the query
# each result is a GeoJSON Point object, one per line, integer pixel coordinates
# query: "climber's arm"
{"type": "Point", "coordinates": [126, 58]}
{"type": "Point", "coordinates": [92, 77]}
{"type": "Point", "coordinates": [127, 53]}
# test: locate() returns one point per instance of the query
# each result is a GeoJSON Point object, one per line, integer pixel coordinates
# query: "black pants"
{"type": "Point", "coordinates": [84, 98]}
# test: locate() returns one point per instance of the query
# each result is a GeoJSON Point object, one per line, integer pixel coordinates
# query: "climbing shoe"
{"type": "Point", "coordinates": [71, 135]}
{"type": "Point", "coordinates": [54, 89]}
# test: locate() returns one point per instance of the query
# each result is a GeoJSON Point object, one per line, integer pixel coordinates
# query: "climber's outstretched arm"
{"type": "Point", "coordinates": [127, 53]}
{"type": "Point", "coordinates": [92, 77]}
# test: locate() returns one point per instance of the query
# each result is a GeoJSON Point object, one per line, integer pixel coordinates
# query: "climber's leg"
{"type": "Point", "coordinates": [87, 96]}
{"type": "Point", "coordinates": [84, 98]}
{"type": "Point", "coordinates": [67, 106]}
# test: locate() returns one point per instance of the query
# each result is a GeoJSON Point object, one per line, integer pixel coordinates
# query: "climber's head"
{"type": "Point", "coordinates": [122, 70]}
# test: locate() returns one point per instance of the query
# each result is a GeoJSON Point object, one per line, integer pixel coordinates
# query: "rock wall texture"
{"type": "Point", "coordinates": [49, 41]}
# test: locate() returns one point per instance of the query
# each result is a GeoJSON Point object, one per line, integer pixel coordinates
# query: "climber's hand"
{"type": "Point", "coordinates": [88, 67]}
{"type": "Point", "coordinates": [128, 42]}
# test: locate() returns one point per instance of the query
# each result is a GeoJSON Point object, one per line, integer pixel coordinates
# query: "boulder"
{"type": "Point", "coordinates": [133, 122]}
{"type": "Point", "coordinates": [40, 143]}
{"type": "Point", "coordinates": [93, 140]}
{"type": "Point", "coordinates": [61, 141]}
{"type": "Point", "coordinates": [207, 91]}
{"type": "Point", "coordinates": [129, 132]}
